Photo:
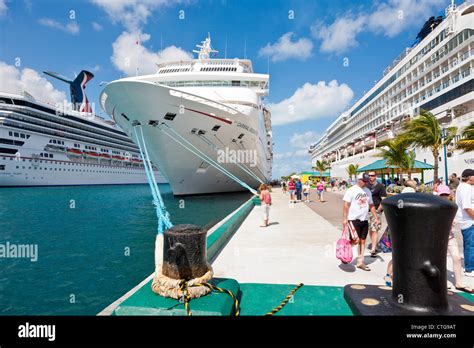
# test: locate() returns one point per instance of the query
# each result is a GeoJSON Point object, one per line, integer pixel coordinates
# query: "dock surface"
{"type": "Point", "coordinates": [298, 246]}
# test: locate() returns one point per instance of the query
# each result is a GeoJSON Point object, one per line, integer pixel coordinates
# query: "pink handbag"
{"type": "Point", "coordinates": [344, 248]}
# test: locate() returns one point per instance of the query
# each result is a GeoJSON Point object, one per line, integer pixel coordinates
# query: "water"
{"type": "Point", "coordinates": [91, 254]}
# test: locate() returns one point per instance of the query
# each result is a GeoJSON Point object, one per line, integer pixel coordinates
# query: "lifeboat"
{"type": "Point", "coordinates": [75, 151]}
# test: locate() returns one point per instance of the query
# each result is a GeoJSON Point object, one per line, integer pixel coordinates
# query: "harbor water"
{"type": "Point", "coordinates": [94, 243]}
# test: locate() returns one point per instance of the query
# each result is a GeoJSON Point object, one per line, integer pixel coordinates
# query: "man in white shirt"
{"type": "Point", "coordinates": [357, 203]}
{"type": "Point", "coordinates": [465, 218]}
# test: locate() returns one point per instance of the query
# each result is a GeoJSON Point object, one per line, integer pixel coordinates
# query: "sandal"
{"type": "Point", "coordinates": [373, 253]}
{"type": "Point", "coordinates": [388, 280]}
{"type": "Point", "coordinates": [364, 267]}
{"type": "Point", "coordinates": [465, 289]}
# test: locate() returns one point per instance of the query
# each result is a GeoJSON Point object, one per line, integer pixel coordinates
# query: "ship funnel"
{"type": "Point", "coordinates": [77, 89]}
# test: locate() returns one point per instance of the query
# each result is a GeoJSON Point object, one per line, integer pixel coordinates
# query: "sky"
{"type": "Point", "coordinates": [322, 55]}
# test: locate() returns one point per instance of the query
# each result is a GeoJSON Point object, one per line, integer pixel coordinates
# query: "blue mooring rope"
{"type": "Point", "coordinates": [162, 214]}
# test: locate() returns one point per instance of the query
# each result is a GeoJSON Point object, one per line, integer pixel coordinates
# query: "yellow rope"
{"type": "Point", "coordinates": [183, 285]}
{"type": "Point", "coordinates": [285, 301]}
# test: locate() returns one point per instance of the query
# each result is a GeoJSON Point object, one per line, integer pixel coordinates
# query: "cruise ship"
{"type": "Point", "coordinates": [203, 121]}
{"type": "Point", "coordinates": [435, 74]}
{"type": "Point", "coordinates": [50, 145]}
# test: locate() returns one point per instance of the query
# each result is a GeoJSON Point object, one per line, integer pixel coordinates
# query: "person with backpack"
{"type": "Point", "coordinates": [266, 200]}
{"type": "Point", "coordinates": [299, 188]}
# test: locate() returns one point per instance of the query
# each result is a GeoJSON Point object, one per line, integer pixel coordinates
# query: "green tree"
{"type": "Point", "coordinates": [424, 131]}
{"type": "Point", "coordinates": [395, 153]}
{"type": "Point", "coordinates": [352, 170]}
{"type": "Point", "coordinates": [467, 139]}
{"type": "Point", "coordinates": [321, 167]}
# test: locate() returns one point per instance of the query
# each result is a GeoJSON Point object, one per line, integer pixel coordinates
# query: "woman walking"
{"type": "Point", "coordinates": [266, 200]}
{"type": "Point", "coordinates": [292, 191]}
{"type": "Point", "coordinates": [320, 190]}
{"type": "Point", "coordinates": [306, 189]}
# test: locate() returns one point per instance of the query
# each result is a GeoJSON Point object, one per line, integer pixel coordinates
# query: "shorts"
{"type": "Point", "coordinates": [306, 194]}
{"type": "Point", "coordinates": [291, 192]}
{"type": "Point", "coordinates": [372, 225]}
{"type": "Point", "coordinates": [265, 211]}
{"type": "Point", "coordinates": [361, 228]}
{"type": "Point", "coordinates": [319, 192]}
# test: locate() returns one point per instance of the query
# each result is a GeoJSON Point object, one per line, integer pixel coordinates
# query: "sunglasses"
{"type": "Point", "coordinates": [372, 175]}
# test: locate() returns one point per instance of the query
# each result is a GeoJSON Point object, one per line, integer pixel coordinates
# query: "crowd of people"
{"type": "Point", "coordinates": [296, 189]}
{"type": "Point", "coordinates": [363, 212]}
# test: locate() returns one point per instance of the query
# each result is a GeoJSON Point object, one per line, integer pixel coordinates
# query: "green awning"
{"type": "Point", "coordinates": [326, 174]}
{"type": "Point", "coordinates": [381, 164]}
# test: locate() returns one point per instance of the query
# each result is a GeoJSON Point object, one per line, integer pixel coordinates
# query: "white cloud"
{"type": "Point", "coordinates": [3, 8]}
{"type": "Point", "coordinates": [389, 19]}
{"type": "Point", "coordinates": [303, 140]}
{"type": "Point", "coordinates": [97, 27]}
{"type": "Point", "coordinates": [339, 36]}
{"type": "Point", "coordinates": [312, 102]}
{"type": "Point", "coordinates": [285, 49]}
{"type": "Point", "coordinates": [132, 14]}
{"type": "Point", "coordinates": [126, 52]}
{"type": "Point", "coordinates": [71, 27]}
{"type": "Point", "coordinates": [14, 80]}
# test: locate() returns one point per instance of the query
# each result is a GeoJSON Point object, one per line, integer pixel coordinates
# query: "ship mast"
{"type": "Point", "coordinates": [205, 48]}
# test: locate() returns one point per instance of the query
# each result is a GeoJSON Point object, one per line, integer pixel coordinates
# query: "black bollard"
{"type": "Point", "coordinates": [419, 228]}
{"type": "Point", "coordinates": [184, 252]}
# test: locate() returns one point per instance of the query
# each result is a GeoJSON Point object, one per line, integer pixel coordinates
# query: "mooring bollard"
{"type": "Point", "coordinates": [419, 228]}
{"type": "Point", "coordinates": [184, 259]}
{"type": "Point", "coordinates": [184, 252]}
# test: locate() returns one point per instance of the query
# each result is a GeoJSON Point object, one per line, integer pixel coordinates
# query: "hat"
{"type": "Point", "coordinates": [408, 190]}
{"type": "Point", "coordinates": [443, 190]}
{"type": "Point", "coordinates": [467, 173]}
{"type": "Point", "coordinates": [364, 177]}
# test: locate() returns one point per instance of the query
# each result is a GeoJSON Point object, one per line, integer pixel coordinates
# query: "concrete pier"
{"type": "Point", "coordinates": [298, 246]}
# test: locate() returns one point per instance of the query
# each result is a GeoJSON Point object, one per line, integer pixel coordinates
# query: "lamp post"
{"type": "Point", "coordinates": [445, 157]}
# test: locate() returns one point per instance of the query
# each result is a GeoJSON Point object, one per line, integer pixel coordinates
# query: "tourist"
{"type": "Point", "coordinates": [357, 203]}
{"type": "Point", "coordinates": [435, 186]}
{"type": "Point", "coordinates": [306, 190]}
{"type": "Point", "coordinates": [320, 190]}
{"type": "Point", "coordinates": [292, 190]}
{"type": "Point", "coordinates": [453, 182]}
{"type": "Point", "coordinates": [266, 200]}
{"type": "Point", "coordinates": [465, 218]}
{"type": "Point", "coordinates": [411, 184]}
{"type": "Point", "coordinates": [453, 250]}
{"type": "Point", "coordinates": [378, 194]}
{"type": "Point", "coordinates": [299, 188]}
{"type": "Point", "coordinates": [283, 187]}
{"type": "Point", "coordinates": [333, 183]}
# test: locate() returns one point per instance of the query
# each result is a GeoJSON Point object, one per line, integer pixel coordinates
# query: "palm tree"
{"type": "Point", "coordinates": [352, 170]}
{"type": "Point", "coordinates": [467, 139]}
{"type": "Point", "coordinates": [425, 132]}
{"type": "Point", "coordinates": [321, 167]}
{"type": "Point", "coordinates": [394, 152]}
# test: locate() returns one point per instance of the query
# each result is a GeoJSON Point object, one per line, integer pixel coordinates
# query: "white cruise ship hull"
{"type": "Point", "coordinates": [39, 147]}
{"type": "Point", "coordinates": [147, 103]}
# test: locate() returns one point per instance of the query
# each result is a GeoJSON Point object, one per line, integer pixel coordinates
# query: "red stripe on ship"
{"type": "Point", "coordinates": [209, 115]}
